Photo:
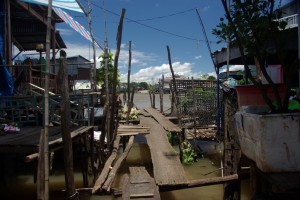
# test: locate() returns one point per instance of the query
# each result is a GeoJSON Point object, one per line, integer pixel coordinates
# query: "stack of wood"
{"type": "Point", "coordinates": [128, 130]}
{"type": "Point", "coordinates": [201, 134]}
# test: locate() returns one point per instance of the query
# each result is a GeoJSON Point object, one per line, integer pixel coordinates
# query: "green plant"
{"type": "Point", "coordinates": [188, 151]}
{"type": "Point", "coordinates": [254, 27]}
{"type": "Point", "coordinates": [100, 72]}
{"type": "Point", "coordinates": [169, 137]}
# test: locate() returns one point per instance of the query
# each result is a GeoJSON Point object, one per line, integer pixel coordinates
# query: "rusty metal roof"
{"type": "Point", "coordinates": [29, 26]}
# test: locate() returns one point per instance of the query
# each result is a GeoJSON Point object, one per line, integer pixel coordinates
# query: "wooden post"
{"type": "Point", "coordinates": [232, 153]}
{"type": "Point", "coordinates": [162, 94]}
{"type": "Point", "coordinates": [194, 106]}
{"type": "Point", "coordinates": [65, 126]}
{"type": "Point", "coordinates": [174, 86]}
{"type": "Point", "coordinates": [40, 171]}
{"type": "Point", "coordinates": [113, 106]}
{"type": "Point", "coordinates": [46, 103]}
{"type": "Point", "coordinates": [129, 100]}
{"type": "Point", "coordinates": [128, 75]}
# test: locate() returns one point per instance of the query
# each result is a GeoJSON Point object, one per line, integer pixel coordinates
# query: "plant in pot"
{"type": "Point", "coordinates": [255, 28]}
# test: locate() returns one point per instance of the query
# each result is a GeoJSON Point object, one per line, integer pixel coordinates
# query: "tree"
{"type": "Point", "coordinates": [100, 72]}
{"type": "Point", "coordinates": [253, 27]}
{"type": "Point", "coordinates": [143, 85]}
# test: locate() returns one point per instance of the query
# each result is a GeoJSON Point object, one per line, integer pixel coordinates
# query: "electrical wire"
{"type": "Point", "coordinates": [154, 28]}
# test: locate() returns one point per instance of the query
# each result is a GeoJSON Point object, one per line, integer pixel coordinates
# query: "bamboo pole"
{"type": "Point", "coordinates": [46, 103]}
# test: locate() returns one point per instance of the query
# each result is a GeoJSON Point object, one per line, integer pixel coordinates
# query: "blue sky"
{"type": "Point", "coordinates": [151, 26]}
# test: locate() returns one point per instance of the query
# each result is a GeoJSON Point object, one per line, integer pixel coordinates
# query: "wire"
{"type": "Point", "coordinates": [153, 28]}
{"type": "Point", "coordinates": [165, 16]}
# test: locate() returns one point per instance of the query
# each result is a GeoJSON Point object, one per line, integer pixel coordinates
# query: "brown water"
{"type": "Point", "coordinates": [22, 186]}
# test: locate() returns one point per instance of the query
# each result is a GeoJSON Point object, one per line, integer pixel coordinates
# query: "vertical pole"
{"type": "Point", "coordinates": [298, 16]}
{"type": "Point", "coordinates": [128, 75]}
{"type": "Point", "coordinates": [65, 126]}
{"type": "Point", "coordinates": [129, 100]}
{"type": "Point", "coordinates": [46, 101]}
{"type": "Point", "coordinates": [93, 70]}
{"type": "Point", "coordinates": [162, 94]}
{"type": "Point", "coordinates": [9, 56]}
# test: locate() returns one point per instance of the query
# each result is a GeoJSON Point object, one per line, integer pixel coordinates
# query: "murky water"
{"type": "Point", "coordinates": [22, 186]}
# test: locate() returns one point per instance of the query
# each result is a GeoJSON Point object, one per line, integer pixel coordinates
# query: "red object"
{"type": "Point", "coordinates": [251, 95]}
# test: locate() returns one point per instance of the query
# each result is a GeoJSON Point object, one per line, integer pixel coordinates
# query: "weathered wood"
{"type": "Point", "coordinates": [27, 140]}
{"type": "Point", "coordinates": [163, 121]}
{"type": "Point", "coordinates": [65, 125]}
{"type": "Point", "coordinates": [139, 185]}
{"type": "Point", "coordinates": [232, 153]}
{"type": "Point", "coordinates": [115, 74]}
{"type": "Point", "coordinates": [167, 167]}
{"type": "Point", "coordinates": [73, 134]}
{"type": "Point", "coordinates": [114, 170]}
{"type": "Point", "coordinates": [161, 93]}
{"type": "Point", "coordinates": [104, 173]}
{"type": "Point", "coordinates": [40, 170]}
{"type": "Point", "coordinates": [144, 113]}
{"type": "Point", "coordinates": [213, 181]}
{"type": "Point", "coordinates": [138, 175]}
{"type": "Point", "coordinates": [175, 93]}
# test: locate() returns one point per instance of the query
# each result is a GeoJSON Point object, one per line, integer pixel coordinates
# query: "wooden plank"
{"type": "Point", "coordinates": [162, 120]}
{"type": "Point", "coordinates": [138, 175]}
{"type": "Point", "coordinates": [135, 187]}
{"type": "Point", "coordinates": [128, 130]}
{"type": "Point", "coordinates": [114, 170]}
{"type": "Point", "coordinates": [104, 173]}
{"type": "Point", "coordinates": [167, 167]}
{"type": "Point", "coordinates": [144, 113]}
{"type": "Point", "coordinates": [73, 134]}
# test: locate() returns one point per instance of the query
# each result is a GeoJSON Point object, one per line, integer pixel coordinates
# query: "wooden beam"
{"type": "Point", "coordinates": [27, 7]}
{"type": "Point", "coordinates": [101, 179]}
{"type": "Point", "coordinates": [114, 170]}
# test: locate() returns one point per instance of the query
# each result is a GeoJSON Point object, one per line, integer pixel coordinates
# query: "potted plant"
{"type": "Point", "coordinates": [267, 135]}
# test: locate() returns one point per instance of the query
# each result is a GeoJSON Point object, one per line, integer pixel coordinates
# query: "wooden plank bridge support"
{"type": "Point", "coordinates": [232, 152]}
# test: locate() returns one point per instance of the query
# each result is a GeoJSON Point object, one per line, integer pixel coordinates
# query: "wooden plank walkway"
{"type": "Point", "coordinates": [27, 140]}
{"type": "Point", "coordinates": [162, 120]}
{"type": "Point", "coordinates": [128, 130]}
{"type": "Point", "coordinates": [139, 185]}
{"type": "Point", "coordinates": [167, 168]}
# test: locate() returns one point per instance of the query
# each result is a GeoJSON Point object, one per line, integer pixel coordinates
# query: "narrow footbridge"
{"type": "Point", "coordinates": [168, 172]}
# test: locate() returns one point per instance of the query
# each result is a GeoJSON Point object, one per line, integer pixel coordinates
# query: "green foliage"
{"type": "Point", "coordinates": [254, 27]}
{"type": "Point", "coordinates": [256, 23]}
{"type": "Point", "coordinates": [188, 152]}
{"type": "Point", "coordinates": [100, 72]}
{"type": "Point", "coordinates": [169, 137]}
{"type": "Point", "coordinates": [143, 85]}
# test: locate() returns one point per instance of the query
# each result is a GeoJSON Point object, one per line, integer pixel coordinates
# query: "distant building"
{"type": "Point", "coordinates": [79, 71]}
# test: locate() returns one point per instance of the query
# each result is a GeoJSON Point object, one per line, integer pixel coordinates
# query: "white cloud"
{"type": "Point", "coordinates": [152, 74]}
{"type": "Point", "coordinates": [198, 57]}
{"type": "Point", "coordinates": [232, 68]}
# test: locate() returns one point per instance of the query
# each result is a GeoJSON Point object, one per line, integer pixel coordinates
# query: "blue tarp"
{"type": "Point", "coordinates": [6, 80]}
